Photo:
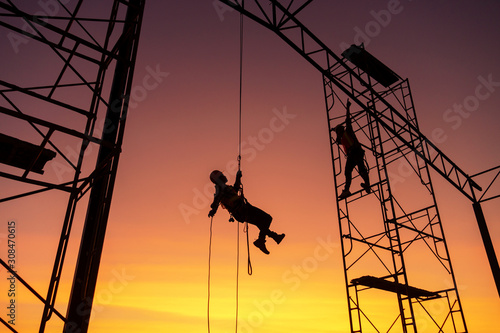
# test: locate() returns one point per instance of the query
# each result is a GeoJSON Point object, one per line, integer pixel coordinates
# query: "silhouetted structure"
{"type": "Point", "coordinates": [77, 113]}
{"type": "Point", "coordinates": [385, 117]}
{"type": "Point", "coordinates": [24, 155]}
{"type": "Point", "coordinates": [383, 252]}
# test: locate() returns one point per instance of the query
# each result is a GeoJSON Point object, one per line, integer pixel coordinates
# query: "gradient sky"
{"type": "Point", "coordinates": [153, 274]}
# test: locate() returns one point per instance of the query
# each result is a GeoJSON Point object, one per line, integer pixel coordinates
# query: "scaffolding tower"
{"type": "Point", "coordinates": [396, 260]}
{"type": "Point", "coordinates": [396, 251]}
{"type": "Point", "coordinates": [66, 81]}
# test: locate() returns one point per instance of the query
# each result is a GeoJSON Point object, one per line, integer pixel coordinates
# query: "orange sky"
{"type": "Point", "coordinates": [153, 274]}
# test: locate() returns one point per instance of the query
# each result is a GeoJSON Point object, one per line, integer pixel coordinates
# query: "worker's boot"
{"type": "Point", "coordinates": [277, 238]}
{"type": "Point", "coordinates": [345, 193]}
{"type": "Point", "coordinates": [366, 187]}
{"type": "Point", "coordinates": [261, 244]}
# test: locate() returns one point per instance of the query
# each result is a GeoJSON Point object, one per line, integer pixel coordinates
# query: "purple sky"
{"type": "Point", "coordinates": [183, 124]}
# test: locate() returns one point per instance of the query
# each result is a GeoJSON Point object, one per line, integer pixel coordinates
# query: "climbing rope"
{"type": "Point", "coordinates": [239, 169]}
{"type": "Point", "coordinates": [209, 262]}
{"type": "Point", "coordinates": [237, 273]}
{"type": "Point", "coordinates": [241, 91]}
{"type": "Point", "coordinates": [249, 263]}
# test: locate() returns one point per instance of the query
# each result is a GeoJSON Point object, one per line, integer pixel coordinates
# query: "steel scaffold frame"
{"type": "Point", "coordinates": [74, 110]}
{"type": "Point", "coordinates": [386, 119]}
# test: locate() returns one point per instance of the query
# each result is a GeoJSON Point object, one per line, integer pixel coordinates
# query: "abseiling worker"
{"type": "Point", "coordinates": [228, 196]}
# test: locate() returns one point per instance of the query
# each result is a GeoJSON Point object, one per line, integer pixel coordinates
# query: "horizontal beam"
{"type": "Point", "coordinates": [49, 125]}
{"type": "Point", "coordinates": [382, 284]}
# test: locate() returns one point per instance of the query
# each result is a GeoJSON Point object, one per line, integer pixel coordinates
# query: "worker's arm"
{"type": "Point", "coordinates": [216, 202]}
{"type": "Point", "coordinates": [348, 112]}
{"type": "Point", "coordinates": [348, 124]}
{"type": "Point", "coordinates": [237, 182]}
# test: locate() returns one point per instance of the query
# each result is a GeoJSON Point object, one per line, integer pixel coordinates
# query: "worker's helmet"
{"type": "Point", "coordinates": [217, 176]}
{"type": "Point", "coordinates": [339, 129]}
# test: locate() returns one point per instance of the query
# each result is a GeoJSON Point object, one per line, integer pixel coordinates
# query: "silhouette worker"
{"type": "Point", "coordinates": [354, 154]}
{"type": "Point", "coordinates": [240, 209]}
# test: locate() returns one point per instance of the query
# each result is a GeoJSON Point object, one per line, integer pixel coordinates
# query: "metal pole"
{"type": "Point", "coordinates": [488, 244]}
{"type": "Point", "coordinates": [87, 267]}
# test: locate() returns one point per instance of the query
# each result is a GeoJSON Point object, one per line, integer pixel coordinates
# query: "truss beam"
{"type": "Point", "coordinates": [274, 16]}
{"type": "Point", "coordinates": [386, 117]}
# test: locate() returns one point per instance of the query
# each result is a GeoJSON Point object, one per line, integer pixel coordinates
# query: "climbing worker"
{"type": "Point", "coordinates": [354, 154]}
{"type": "Point", "coordinates": [239, 208]}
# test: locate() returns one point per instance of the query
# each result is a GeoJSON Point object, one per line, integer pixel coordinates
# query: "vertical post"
{"type": "Point", "coordinates": [488, 244]}
{"type": "Point", "coordinates": [87, 267]}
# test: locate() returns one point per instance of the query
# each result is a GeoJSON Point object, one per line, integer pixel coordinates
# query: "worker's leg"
{"type": "Point", "coordinates": [349, 166]}
{"type": "Point", "coordinates": [262, 220]}
{"type": "Point", "coordinates": [363, 172]}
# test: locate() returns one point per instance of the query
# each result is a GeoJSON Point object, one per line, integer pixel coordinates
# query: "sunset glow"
{"type": "Point", "coordinates": [183, 123]}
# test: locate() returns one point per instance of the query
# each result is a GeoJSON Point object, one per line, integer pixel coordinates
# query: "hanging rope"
{"type": "Point", "coordinates": [241, 91]}
{"type": "Point", "coordinates": [249, 263]}
{"type": "Point", "coordinates": [237, 273]}
{"type": "Point", "coordinates": [209, 262]}
{"type": "Point", "coordinates": [239, 169]}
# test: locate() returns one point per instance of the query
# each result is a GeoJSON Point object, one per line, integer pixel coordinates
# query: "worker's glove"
{"type": "Point", "coordinates": [211, 213]}
{"type": "Point", "coordinates": [238, 174]}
